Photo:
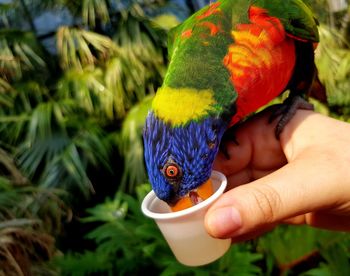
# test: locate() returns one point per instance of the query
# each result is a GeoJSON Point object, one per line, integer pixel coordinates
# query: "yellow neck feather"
{"type": "Point", "coordinates": [178, 106]}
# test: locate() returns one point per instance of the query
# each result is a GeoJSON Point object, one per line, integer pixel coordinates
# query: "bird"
{"type": "Point", "coordinates": [226, 61]}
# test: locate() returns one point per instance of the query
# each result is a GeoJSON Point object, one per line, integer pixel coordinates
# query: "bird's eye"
{"type": "Point", "coordinates": [171, 171]}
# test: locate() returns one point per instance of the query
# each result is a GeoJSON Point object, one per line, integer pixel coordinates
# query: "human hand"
{"type": "Point", "coordinates": [303, 178]}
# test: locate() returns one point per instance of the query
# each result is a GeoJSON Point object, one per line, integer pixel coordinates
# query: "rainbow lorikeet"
{"type": "Point", "coordinates": [226, 61]}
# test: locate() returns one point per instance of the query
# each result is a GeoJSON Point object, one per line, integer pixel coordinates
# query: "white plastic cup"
{"type": "Point", "coordinates": [184, 230]}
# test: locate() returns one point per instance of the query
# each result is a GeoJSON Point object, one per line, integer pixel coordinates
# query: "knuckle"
{"type": "Point", "coordinates": [267, 201]}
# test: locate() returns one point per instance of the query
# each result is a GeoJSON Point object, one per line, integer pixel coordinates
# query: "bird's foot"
{"type": "Point", "coordinates": [287, 110]}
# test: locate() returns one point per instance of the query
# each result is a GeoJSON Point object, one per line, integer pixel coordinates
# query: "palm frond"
{"type": "Point", "coordinates": [5, 9]}
{"type": "Point", "coordinates": [93, 10]}
{"type": "Point", "coordinates": [42, 151]}
{"type": "Point", "coordinates": [40, 122]}
{"type": "Point", "coordinates": [93, 145]}
{"type": "Point", "coordinates": [9, 63]}
{"type": "Point", "coordinates": [18, 103]}
{"type": "Point", "coordinates": [20, 247]}
{"type": "Point", "coordinates": [28, 205]}
{"type": "Point", "coordinates": [59, 156]}
{"type": "Point", "coordinates": [66, 171]}
{"type": "Point", "coordinates": [5, 90]}
{"type": "Point", "coordinates": [27, 55]}
{"type": "Point", "coordinates": [68, 167]}
{"type": "Point", "coordinates": [26, 214]}
{"type": "Point", "coordinates": [19, 52]}
{"type": "Point", "coordinates": [114, 79]}
{"type": "Point", "coordinates": [88, 89]}
{"type": "Point", "coordinates": [132, 71]}
{"type": "Point", "coordinates": [78, 48]}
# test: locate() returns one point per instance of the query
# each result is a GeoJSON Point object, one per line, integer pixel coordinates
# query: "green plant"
{"type": "Point", "coordinates": [130, 145]}
{"type": "Point", "coordinates": [66, 111]}
{"type": "Point", "coordinates": [126, 242]}
{"type": "Point", "coordinates": [61, 108]}
{"type": "Point", "coordinates": [129, 243]}
{"type": "Point", "coordinates": [290, 248]}
{"type": "Point", "coordinates": [29, 218]}
{"type": "Point", "coordinates": [336, 260]}
{"type": "Point", "coordinates": [333, 62]}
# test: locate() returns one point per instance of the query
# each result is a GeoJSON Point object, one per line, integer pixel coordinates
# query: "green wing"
{"type": "Point", "coordinates": [172, 35]}
{"type": "Point", "coordinates": [296, 17]}
{"type": "Point", "coordinates": [197, 47]}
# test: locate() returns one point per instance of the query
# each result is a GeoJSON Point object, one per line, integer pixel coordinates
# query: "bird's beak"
{"type": "Point", "coordinates": [194, 197]}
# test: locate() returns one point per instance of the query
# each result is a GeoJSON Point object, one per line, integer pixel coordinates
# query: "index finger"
{"type": "Point", "coordinates": [257, 153]}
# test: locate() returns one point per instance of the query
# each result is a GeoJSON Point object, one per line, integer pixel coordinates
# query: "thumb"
{"type": "Point", "coordinates": [251, 209]}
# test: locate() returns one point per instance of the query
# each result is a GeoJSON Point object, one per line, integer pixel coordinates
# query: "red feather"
{"type": "Point", "coordinates": [261, 61]}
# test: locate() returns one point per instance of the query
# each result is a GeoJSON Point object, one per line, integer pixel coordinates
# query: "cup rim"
{"type": "Point", "coordinates": [171, 215]}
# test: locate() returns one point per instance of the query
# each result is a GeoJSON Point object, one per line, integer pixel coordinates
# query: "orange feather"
{"type": "Point", "coordinates": [260, 61]}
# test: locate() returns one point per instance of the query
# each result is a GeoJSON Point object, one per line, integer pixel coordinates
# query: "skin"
{"type": "Point", "coordinates": [303, 178]}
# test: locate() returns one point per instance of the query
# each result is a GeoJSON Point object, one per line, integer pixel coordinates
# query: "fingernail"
{"type": "Point", "coordinates": [224, 222]}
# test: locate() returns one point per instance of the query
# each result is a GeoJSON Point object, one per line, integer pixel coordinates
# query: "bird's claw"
{"type": "Point", "coordinates": [287, 110]}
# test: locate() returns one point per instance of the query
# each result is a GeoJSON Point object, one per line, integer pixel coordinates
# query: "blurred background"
{"type": "Point", "coordinates": [76, 81]}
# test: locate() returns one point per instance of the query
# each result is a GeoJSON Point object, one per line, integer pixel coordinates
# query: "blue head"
{"type": "Point", "coordinates": [179, 159]}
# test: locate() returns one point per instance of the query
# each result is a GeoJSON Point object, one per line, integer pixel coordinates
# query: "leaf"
{"type": "Point", "coordinates": [40, 123]}
{"type": "Point", "coordinates": [165, 21]}
{"type": "Point", "coordinates": [78, 48]}
{"type": "Point", "coordinates": [18, 223]}
{"type": "Point", "coordinates": [240, 260]}
{"type": "Point", "coordinates": [21, 247]}
{"type": "Point", "coordinates": [93, 10]}
{"type": "Point", "coordinates": [333, 63]}
{"type": "Point", "coordinates": [83, 264]}
{"type": "Point", "coordinates": [88, 90]}
{"type": "Point", "coordinates": [323, 270]}
{"type": "Point", "coordinates": [131, 145]}
{"type": "Point", "coordinates": [109, 211]}
{"type": "Point", "coordinates": [19, 53]}
{"type": "Point", "coordinates": [337, 258]}
{"type": "Point", "coordinates": [5, 89]}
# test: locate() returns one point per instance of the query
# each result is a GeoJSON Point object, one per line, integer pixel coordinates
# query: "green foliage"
{"type": "Point", "coordinates": [19, 53]}
{"type": "Point", "coordinates": [336, 261]}
{"type": "Point", "coordinates": [131, 145]}
{"type": "Point", "coordinates": [165, 21]}
{"type": "Point", "coordinates": [291, 246]}
{"type": "Point", "coordinates": [27, 216]}
{"type": "Point", "coordinates": [60, 125]}
{"type": "Point", "coordinates": [333, 62]}
{"type": "Point", "coordinates": [20, 247]}
{"type": "Point", "coordinates": [93, 10]}
{"type": "Point", "coordinates": [128, 243]}
{"type": "Point", "coordinates": [79, 48]}
{"type": "Point", "coordinates": [60, 113]}
{"type": "Point", "coordinates": [299, 241]}
{"type": "Point", "coordinates": [64, 116]}
{"type": "Point", "coordinates": [22, 205]}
